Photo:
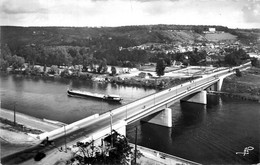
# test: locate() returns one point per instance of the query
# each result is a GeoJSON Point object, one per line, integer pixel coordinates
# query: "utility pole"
{"type": "Point", "coordinates": [102, 103]}
{"type": "Point", "coordinates": [111, 122]}
{"type": "Point", "coordinates": [14, 115]}
{"type": "Point", "coordinates": [65, 138]}
{"type": "Point", "coordinates": [154, 99]}
{"type": "Point", "coordinates": [135, 143]}
{"type": "Point", "coordinates": [126, 111]}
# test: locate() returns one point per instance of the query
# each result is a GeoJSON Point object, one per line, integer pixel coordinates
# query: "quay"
{"type": "Point", "coordinates": [154, 157]}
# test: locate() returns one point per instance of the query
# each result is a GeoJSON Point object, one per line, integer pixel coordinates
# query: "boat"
{"type": "Point", "coordinates": [78, 93]}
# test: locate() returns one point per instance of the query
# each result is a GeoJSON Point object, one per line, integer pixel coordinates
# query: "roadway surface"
{"type": "Point", "coordinates": [127, 112]}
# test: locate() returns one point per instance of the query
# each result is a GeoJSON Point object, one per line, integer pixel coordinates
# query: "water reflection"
{"type": "Point", "coordinates": [192, 114]}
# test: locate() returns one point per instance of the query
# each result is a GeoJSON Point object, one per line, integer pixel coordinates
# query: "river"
{"type": "Point", "coordinates": [209, 134]}
{"type": "Point", "coordinates": [47, 97]}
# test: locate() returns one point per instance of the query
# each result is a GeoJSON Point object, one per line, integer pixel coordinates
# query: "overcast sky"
{"type": "Point", "coordinates": [231, 13]}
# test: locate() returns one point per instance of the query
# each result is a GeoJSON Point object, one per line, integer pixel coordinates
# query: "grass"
{"type": "Point", "coordinates": [220, 36]}
{"type": "Point", "coordinates": [9, 125]}
{"type": "Point", "coordinates": [152, 69]}
{"type": "Point", "coordinates": [248, 84]}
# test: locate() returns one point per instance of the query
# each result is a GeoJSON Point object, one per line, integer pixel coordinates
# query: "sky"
{"type": "Point", "coordinates": [96, 13]}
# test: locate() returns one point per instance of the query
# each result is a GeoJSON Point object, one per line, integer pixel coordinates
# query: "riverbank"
{"type": "Point", "coordinates": [246, 87]}
{"type": "Point", "coordinates": [126, 79]}
{"type": "Point", "coordinates": [157, 83]}
{"type": "Point", "coordinates": [15, 137]}
{"type": "Point", "coordinates": [32, 123]}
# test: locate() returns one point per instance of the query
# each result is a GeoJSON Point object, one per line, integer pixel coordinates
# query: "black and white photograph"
{"type": "Point", "coordinates": [132, 82]}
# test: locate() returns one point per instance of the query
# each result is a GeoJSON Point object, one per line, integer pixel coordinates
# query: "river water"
{"type": "Point", "coordinates": [47, 97]}
{"type": "Point", "coordinates": [209, 134]}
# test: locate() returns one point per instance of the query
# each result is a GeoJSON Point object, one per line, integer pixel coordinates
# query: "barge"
{"type": "Point", "coordinates": [78, 93]}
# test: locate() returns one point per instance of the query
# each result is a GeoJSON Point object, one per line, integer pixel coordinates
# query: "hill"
{"type": "Point", "coordinates": [105, 36]}
{"type": "Point", "coordinates": [120, 46]}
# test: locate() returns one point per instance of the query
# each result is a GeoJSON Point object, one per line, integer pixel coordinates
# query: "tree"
{"type": "Point", "coordinates": [255, 62]}
{"type": "Point", "coordinates": [113, 71]}
{"type": "Point", "coordinates": [102, 68]}
{"type": "Point", "coordinates": [31, 53]}
{"type": "Point", "coordinates": [120, 153]}
{"type": "Point", "coordinates": [5, 57]}
{"type": "Point", "coordinates": [238, 73]}
{"type": "Point", "coordinates": [17, 62]}
{"type": "Point", "coordinates": [44, 58]}
{"type": "Point", "coordinates": [235, 57]}
{"type": "Point", "coordinates": [196, 57]}
{"type": "Point", "coordinates": [65, 73]}
{"type": "Point", "coordinates": [86, 60]}
{"type": "Point", "coordinates": [77, 59]}
{"type": "Point", "coordinates": [139, 56]}
{"type": "Point", "coordinates": [62, 57]}
{"type": "Point", "coordinates": [93, 62]}
{"type": "Point", "coordinates": [232, 60]}
{"type": "Point", "coordinates": [36, 71]}
{"type": "Point", "coordinates": [160, 66]}
{"type": "Point", "coordinates": [3, 65]}
{"type": "Point", "coordinates": [53, 70]}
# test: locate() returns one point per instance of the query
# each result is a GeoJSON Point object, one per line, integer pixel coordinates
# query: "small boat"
{"type": "Point", "coordinates": [78, 93]}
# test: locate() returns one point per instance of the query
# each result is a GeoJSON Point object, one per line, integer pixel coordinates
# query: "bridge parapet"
{"type": "Point", "coordinates": [96, 137]}
{"type": "Point", "coordinates": [67, 128]}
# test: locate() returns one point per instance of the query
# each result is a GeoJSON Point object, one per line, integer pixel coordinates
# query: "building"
{"type": "Point", "coordinates": [212, 30]}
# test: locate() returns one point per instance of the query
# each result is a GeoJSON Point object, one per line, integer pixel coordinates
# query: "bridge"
{"type": "Point", "coordinates": [153, 108]}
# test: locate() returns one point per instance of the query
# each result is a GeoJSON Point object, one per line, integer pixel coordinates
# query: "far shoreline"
{"type": "Point", "coordinates": [158, 83]}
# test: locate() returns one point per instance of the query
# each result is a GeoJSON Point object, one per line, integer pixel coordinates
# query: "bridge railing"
{"type": "Point", "coordinates": [68, 128]}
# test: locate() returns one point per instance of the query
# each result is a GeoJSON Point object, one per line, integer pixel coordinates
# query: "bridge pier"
{"type": "Point", "coordinates": [219, 84]}
{"type": "Point", "coordinates": [200, 97]}
{"type": "Point", "coordinates": [163, 118]}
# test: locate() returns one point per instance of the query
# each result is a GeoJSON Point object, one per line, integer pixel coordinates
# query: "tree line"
{"type": "Point", "coordinates": [71, 55]}
{"type": "Point", "coordinates": [97, 59]}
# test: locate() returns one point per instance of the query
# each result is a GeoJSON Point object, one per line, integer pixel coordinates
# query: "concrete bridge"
{"type": "Point", "coordinates": [153, 108]}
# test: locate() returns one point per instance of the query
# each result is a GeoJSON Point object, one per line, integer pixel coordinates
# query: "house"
{"type": "Point", "coordinates": [212, 30]}
{"type": "Point", "coordinates": [214, 58]}
{"type": "Point", "coordinates": [255, 55]}
{"type": "Point", "coordinates": [145, 75]}
{"type": "Point", "coordinates": [40, 68]}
